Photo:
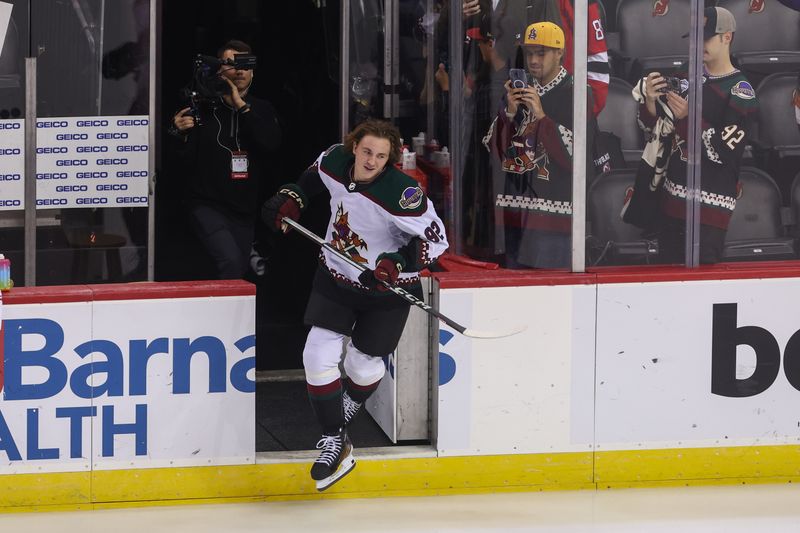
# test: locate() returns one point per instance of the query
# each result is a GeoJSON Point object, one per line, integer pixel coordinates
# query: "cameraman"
{"type": "Point", "coordinates": [222, 143]}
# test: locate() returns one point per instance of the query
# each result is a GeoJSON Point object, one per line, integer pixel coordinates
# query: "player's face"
{"type": "Point", "coordinates": [543, 62]}
{"type": "Point", "coordinates": [240, 78]}
{"type": "Point", "coordinates": [372, 155]}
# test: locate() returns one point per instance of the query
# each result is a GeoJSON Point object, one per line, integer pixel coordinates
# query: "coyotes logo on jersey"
{"type": "Point", "coordinates": [345, 239]}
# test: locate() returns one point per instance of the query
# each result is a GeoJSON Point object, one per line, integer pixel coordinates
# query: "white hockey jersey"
{"type": "Point", "coordinates": [389, 214]}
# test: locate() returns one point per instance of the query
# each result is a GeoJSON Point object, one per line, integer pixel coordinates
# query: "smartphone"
{"type": "Point", "coordinates": [519, 78]}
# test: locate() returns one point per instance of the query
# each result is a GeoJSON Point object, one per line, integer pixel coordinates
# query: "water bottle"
{"type": "Point", "coordinates": [5, 274]}
{"type": "Point", "coordinates": [442, 159]}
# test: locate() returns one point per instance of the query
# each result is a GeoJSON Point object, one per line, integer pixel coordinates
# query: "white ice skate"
{"type": "Point", "coordinates": [334, 462]}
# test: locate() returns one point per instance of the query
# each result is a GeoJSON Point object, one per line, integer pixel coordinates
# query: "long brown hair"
{"type": "Point", "coordinates": [377, 128]}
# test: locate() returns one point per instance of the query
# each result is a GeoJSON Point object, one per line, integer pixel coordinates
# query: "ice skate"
{"type": "Point", "coordinates": [351, 408]}
{"type": "Point", "coordinates": [334, 462]}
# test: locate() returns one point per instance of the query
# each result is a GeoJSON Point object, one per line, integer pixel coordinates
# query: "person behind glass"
{"type": "Point", "coordinates": [532, 136]}
{"type": "Point", "coordinates": [796, 101]}
{"type": "Point", "coordinates": [510, 17]}
{"type": "Point", "coordinates": [381, 219]}
{"type": "Point", "coordinates": [729, 108]}
{"type": "Point", "coordinates": [224, 157]}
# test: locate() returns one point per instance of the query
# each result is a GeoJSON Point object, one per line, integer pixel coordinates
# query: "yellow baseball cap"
{"type": "Point", "coordinates": [544, 34]}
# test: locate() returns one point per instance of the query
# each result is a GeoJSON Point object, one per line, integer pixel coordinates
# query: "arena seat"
{"type": "Point", "coordinates": [777, 128]}
{"type": "Point", "coordinates": [619, 118]}
{"type": "Point", "coordinates": [755, 232]}
{"type": "Point", "coordinates": [650, 35]}
{"type": "Point", "coordinates": [795, 203]}
{"type": "Point", "coordinates": [767, 39]}
{"type": "Point", "coordinates": [611, 241]}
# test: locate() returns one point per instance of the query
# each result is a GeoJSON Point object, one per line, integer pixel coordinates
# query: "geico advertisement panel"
{"type": "Point", "coordinates": [696, 364]}
{"type": "Point", "coordinates": [12, 164]}
{"type": "Point", "coordinates": [124, 384]}
{"type": "Point", "coordinates": [92, 162]}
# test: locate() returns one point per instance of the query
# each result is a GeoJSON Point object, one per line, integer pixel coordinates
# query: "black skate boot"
{"type": "Point", "coordinates": [335, 461]}
{"type": "Point", "coordinates": [351, 408]}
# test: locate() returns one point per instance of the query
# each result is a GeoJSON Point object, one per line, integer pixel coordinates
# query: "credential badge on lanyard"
{"type": "Point", "coordinates": [239, 165]}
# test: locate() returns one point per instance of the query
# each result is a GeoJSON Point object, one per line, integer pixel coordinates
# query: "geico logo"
{"type": "Point", "coordinates": [132, 200]}
{"type": "Point", "coordinates": [72, 137]}
{"type": "Point", "coordinates": [35, 369]}
{"type": "Point", "coordinates": [10, 177]}
{"type": "Point", "coordinates": [52, 150]}
{"type": "Point", "coordinates": [133, 122]}
{"type": "Point", "coordinates": [112, 187]}
{"type": "Point", "coordinates": [91, 123]}
{"type": "Point", "coordinates": [10, 203]}
{"type": "Point", "coordinates": [91, 201]}
{"type": "Point", "coordinates": [132, 148]}
{"type": "Point", "coordinates": [122, 161]}
{"type": "Point", "coordinates": [10, 151]}
{"type": "Point", "coordinates": [90, 175]}
{"type": "Point", "coordinates": [71, 162]}
{"type": "Point", "coordinates": [9, 125]}
{"type": "Point", "coordinates": [132, 174]}
{"type": "Point", "coordinates": [51, 201]}
{"type": "Point", "coordinates": [52, 124]}
{"type": "Point", "coordinates": [92, 149]}
{"type": "Point", "coordinates": [72, 188]}
{"type": "Point", "coordinates": [726, 337]}
{"type": "Point", "coordinates": [52, 176]}
{"type": "Point", "coordinates": [112, 135]}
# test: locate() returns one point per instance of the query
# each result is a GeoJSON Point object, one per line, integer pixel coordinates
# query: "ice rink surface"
{"type": "Point", "coordinates": [730, 509]}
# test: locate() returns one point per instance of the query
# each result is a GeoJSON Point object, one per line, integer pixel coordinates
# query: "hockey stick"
{"type": "Point", "coordinates": [469, 332]}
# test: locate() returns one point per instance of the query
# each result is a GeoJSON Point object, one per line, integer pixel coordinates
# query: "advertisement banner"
{"type": "Point", "coordinates": [92, 162]}
{"type": "Point", "coordinates": [698, 364]}
{"type": "Point", "coordinates": [527, 393]}
{"type": "Point", "coordinates": [128, 384]}
{"type": "Point", "coordinates": [12, 164]}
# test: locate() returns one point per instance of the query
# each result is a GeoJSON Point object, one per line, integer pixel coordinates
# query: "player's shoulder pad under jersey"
{"type": "Point", "coordinates": [398, 194]}
{"type": "Point", "coordinates": [334, 162]}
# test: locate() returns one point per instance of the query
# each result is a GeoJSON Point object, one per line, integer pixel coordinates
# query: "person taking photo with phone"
{"type": "Point", "coordinates": [532, 137]}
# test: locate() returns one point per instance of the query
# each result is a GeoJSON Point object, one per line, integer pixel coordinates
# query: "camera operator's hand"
{"type": "Point", "coordinates": [234, 99]}
{"type": "Point", "coordinates": [183, 121]}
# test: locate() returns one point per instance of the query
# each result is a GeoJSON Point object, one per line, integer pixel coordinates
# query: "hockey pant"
{"type": "Point", "coordinates": [321, 356]}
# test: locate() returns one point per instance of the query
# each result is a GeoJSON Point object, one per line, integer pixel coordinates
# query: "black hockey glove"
{"type": "Point", "coordinates": [290, 202]}
{"type": "Point", "coordinates": [387, 268]}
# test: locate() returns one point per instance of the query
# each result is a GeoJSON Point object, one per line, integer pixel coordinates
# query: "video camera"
{"type": "Point", "coordinates": [207, 86]}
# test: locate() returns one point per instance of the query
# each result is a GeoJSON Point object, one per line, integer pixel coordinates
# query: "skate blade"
{"type": "Point", "coordinates": [346, 466]}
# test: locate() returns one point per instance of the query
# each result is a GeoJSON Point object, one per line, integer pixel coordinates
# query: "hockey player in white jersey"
{"type": "Point", "coordinates": [382, 219]}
